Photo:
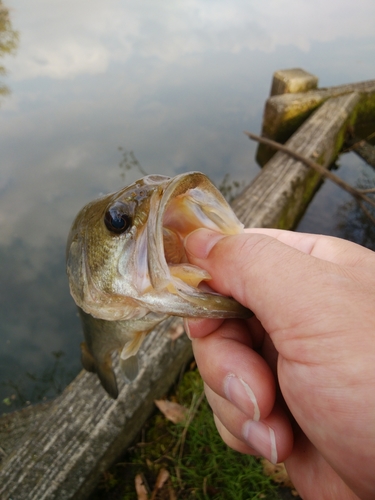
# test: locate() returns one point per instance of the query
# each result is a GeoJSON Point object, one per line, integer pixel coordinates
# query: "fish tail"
{"type": "Point", "coordinates": [103, 370]}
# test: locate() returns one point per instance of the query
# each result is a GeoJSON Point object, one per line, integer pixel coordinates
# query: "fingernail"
{"type": "Point", "coordinates": [240, 394]}
{"type": "Point", "coordinates": [262, 438]}
{"type": "Point", "coordinates": [187, 329]}
{"type": "Point", "coordinates": [200, 242]}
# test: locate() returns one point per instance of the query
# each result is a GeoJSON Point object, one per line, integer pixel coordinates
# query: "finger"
{"type": "Point", "coordinates": [282, 285]}
{"type": "Point", "coordinates": [272, 437]}
{"type": "Point", "coordinates": [234, 370]}
{"type": "Point", "coordinates": [231, 441]}
{"type": "Point", "coordinates": [200, 327]}
{"type": "Point", "coordinates": [323, 247]}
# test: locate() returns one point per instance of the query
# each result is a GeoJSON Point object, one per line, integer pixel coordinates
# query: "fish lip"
{"type": "Point", "coordinates": [159, 272]}
{"type": "Point", "coordinates": [175, 290]}
{"type": "Point", "coordinates": [209, 212]}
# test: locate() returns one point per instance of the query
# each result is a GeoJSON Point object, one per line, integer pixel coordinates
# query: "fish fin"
{"type": "Point", "coordinates": [107, 378]}
{"type": "Point", "coordinates": [103, 370]}
{"type": "Point", "coordinates": [131, 347]}
{"type": "Point", "coordinates": [87, 359]}
{"type": "Point", "coordinates": [129, 367]}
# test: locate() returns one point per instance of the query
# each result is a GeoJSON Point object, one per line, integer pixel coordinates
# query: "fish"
{"type": "Point", "coordinates": [128, 269]}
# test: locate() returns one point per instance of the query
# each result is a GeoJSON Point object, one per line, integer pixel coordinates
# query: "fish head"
{"type": "Point", "coordinates": [125, 252]}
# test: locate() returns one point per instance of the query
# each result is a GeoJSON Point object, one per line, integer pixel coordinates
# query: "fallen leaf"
{"type": "Point", "coordinates": [172, 411]}
{"type": "Point", "coordinates": [140, 488]}
{"type": "Point", "coordinates": [278, 474]}
{"type": "Point", "coordinates": [162, 477]}
{"type": "Point", "coordinates": [172, 493]}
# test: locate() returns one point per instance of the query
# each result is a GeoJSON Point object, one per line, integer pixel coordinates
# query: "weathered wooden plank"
{"type": "Point", "coordinates": [283, 114]}
{"type": "Point", "coordinates": [84, 431]}
{"type": "Point", "coordinates": [14, 425]}
{"type": "Point", "coordinates": [280, 193]}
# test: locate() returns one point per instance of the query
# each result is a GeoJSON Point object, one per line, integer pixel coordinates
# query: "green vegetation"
{"type": "Point", "coordinates": [8, 40]}
{"type": "Point", "coordinates": [191, 454]}
{"type": "Point", "coordinates": [129, 162]}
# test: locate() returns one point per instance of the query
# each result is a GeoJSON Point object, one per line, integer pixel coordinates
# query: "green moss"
{"type": "Point", "coordinates": [366, 109]}
{"type": "Point", "coordinates": [200, 465]}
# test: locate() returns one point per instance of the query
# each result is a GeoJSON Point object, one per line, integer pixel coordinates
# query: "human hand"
{"type": "Point", "coordinates": [296, 382]}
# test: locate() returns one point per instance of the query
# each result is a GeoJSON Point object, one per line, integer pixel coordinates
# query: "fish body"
{"type": "Point", "coordinates": [128, 269]}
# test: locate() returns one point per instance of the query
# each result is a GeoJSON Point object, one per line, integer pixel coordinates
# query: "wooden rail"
{"type": "Point", "coordinates": [294, 97]}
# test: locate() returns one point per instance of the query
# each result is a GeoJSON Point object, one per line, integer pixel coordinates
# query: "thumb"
{"type": "Point", "coordinates": [277, 282]}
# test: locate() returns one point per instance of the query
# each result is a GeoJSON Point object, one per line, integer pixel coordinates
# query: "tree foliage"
{"type": "Point", "coordinates": [8, 40]}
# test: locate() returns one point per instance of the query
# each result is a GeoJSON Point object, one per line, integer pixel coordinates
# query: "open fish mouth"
{"type": "Point", "coordinates": [188, 202]}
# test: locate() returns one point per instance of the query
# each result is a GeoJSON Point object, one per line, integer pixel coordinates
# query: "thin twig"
{"type": "Point", "coordinates": [369, 190]}
{"type": "Point", "coordinates": [357, 193]}
{"type": "Point", "coordinates": [193, 410]}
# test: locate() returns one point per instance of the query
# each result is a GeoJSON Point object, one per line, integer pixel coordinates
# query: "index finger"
{"type": "Point", "coordinates": [329, 248]}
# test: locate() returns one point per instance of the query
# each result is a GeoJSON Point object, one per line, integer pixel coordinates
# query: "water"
{"type": "Point", "coordinates": [176, 83]}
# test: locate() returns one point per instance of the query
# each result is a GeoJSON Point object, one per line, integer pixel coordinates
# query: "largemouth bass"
{"type": "Point", "coordinates": [128, 269]}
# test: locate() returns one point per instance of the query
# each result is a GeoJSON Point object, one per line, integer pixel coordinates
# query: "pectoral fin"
{"type": "Point", "coordinates": [131, 346]}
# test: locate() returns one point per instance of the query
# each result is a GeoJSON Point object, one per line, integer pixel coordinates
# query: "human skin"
{"type": "Point", "coordinates": [295, 382]}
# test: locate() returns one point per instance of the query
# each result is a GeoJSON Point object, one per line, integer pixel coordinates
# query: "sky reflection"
{"type": "Point", "coordinates": [176, 82]}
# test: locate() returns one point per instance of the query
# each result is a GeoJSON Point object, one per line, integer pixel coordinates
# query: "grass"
{"type": "Point", "coordinates": [191, 455]}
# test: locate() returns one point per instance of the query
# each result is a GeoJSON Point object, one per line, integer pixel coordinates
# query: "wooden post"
{"type": "Point", "coordinates": [291, 81]}
{"type": "Point", "coordinates": [282, 190]}
{"type": "Point", "coordinates": [284, 113]}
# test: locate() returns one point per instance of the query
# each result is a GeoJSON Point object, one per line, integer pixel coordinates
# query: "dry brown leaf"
{"type": "Point", "coordinates": [162, 478]}
{"type": "Point", "coordinates": [172, 493]}
{"type": "Point", "coordinates": [140, 488]}
{"type": "Point", "coordinates": [278, 474]}
{"type": "Point", "coordinates": [172, 411]}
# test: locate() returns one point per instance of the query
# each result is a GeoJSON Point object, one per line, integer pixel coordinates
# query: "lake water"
{"type": "Point", "coordinates": [174, 82]}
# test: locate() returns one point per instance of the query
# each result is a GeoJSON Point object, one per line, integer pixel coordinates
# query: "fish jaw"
{"type": "Point", "coordinates": [190, 201]}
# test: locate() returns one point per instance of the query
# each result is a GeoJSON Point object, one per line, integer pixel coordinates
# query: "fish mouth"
{"type": "Point", "coordinates": [188, 202]}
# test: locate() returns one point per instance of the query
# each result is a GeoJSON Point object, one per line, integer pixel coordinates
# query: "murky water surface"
{"type": "Point", "coordinates": [174, 82]}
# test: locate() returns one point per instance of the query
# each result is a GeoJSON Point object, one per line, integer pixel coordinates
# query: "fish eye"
{"type": "Point", "coordinates": [116, 218]}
